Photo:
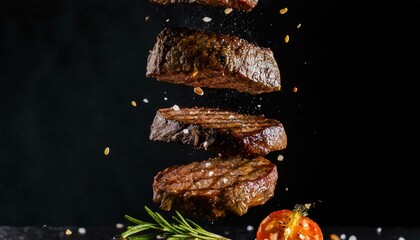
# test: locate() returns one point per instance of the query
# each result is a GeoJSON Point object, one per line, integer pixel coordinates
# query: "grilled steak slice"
{"type": "Point", "coordinates": [246, 5]}
{"type": "Point", "coordinates": [199, 59]}
{"type": "Point", "coordinates": [224, 132]}
{"type": "Point", "coordinates": [216, 187]}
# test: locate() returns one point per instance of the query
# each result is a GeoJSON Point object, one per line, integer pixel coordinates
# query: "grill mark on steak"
{"type": "Point", "coordinates": [216, 187]}
{"type": "Point", "coordinates": [199, 59]}
{"type": "Point", "coordinates": [225, 132]}
{"type": "Point", "coordinates": [246, 5]}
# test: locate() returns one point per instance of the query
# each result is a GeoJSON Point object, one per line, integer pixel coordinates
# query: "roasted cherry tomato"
{"type": "Point", "coordinates": [289, 225]}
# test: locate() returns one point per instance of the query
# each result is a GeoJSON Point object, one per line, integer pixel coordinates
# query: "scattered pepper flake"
{"type": "Point", "coordinates": [228, 10]}
{"type": "Point", "coordinates": [133, 103]}
{"type": "Point", "coordinates": [295, 89]}
{"type": "Point", "coordinates": [106, 151]}
{"type": "Point", "coordinates": [199, 91]}
{"type": "Point", "coordinates": [283, 10]}
{"type": "Point", "coordinates": [286, 39]}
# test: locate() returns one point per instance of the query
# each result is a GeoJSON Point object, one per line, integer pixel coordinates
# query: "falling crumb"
{"type": "Point", "coordinates": [145, 100]}
{"type": "Point", "coordinates": [119, 225]}
{"type": "Point", "coordinates": [45, 225]}
{"type": "Point", "coordinates": [283, 10]}
{"type": "Point", "coordinates": [250, 228]}
{"type": "Point", "coordinates": [133, 103]}
{"type": "Point", "coordinates": [286, 39]}
{"type": "Point", "coordinates": [295, 89]}
{"type": "Point", "coordinates": [259, 105]}
{"type": "Point", "coordinates": [167, 20]}
{"type": "Point", "coordinates": [82, 231]}
{"type": "Point", "coordinates": [308, 205]}
{"type": "Point", "coordinates": [299, 25]}
{"type": "Point", "coordinates": [401, 238]}
{"type": "Point", "coordinates": [334, 237]}
{"type": "Point", "coordinates": [206, 19]}
{"type": "Point", "coordinates": [106, 151]}
{"type": "Point", "coordinates": [280, 158]}
{"type": "Point", "coordinates": [165, 98]}
{"type": "Point", "coordinates": [199, 91]}
{"type": "Point", "coordinates": [228, 10]}
{"type": "Point", "coordinates": [286, 189]}
{"type": "Point", "coordinates": [352, 237]}
{"type": "Point", "coordinates": [176, 108]}
{"type": "Point", "coordinates": [68, 232]}
{"type": "Point", "coordinates": [146, 18]}
{"type": "Point", "coordinates": [379, 230]}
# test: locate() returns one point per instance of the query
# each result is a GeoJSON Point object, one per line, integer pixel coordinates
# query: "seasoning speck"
{"type": "Point", "coordinates": [176, 108]}
{"type": "Point", "coordinates": [106, 151]}
{"type": "Point", "coordinates": [299, 25]}
{"type": "Point", "coordinates": [250, 228]}
{"type": "Point", "coordinates": [286, 39]}
{"type": "Point", "coordinates": [228, 10]}
{"type": "Point", "coordinates": [280, 158]}
{"type": "Point", "coordinates": [283, 10]}
{"type": "Point", "coordinates": [82, 231]}
{"type": "Point", "coordinates": [334, 237]}
{"type": "Point", "coordinates": [119, 225]}
{"type": "Point", "coordinates": [206, 19]}
{"type": "Point", "coordinates": [68, 232]}
{"type": "Point", "coordinates": [199, 91]}
{"type": "Point", "coordinates": [401, 238]}
{"type": "Point", "coordinates": [133, 103]}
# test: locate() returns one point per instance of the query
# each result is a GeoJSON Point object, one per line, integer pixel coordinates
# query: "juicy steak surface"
{"type": "Point", "coordinates": [227, 133]}
{"type": "Point", "coordinates": [246, 5]}
{"type": "Point", "coordinates": [199, 59]}
{"type": "Point", "coordinates": [213, 188]}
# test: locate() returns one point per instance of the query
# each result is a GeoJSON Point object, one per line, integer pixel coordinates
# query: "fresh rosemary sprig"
{"type": "Point", "coordinates": [182, 229]}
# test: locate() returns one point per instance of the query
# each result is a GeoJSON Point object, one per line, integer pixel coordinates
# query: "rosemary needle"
{"type": "Point", "coordinates": [182, 229]}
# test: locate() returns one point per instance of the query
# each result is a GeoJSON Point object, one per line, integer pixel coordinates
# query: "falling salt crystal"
{"type": "Point", "coordinates": [167, 20]}
{"type": "Point", "coordinates": [145, 100]}
{"type": "Point", "coordinates": [206, 19]}
{"type": "Point", "coordinates": [287, 189]}
{"type": "Point", "coordinates": [379, 230]}
{"type": "Point", "coordinates": [259, 105]}
{"type": "Point", "coordinates": [343, 236]}
{"type": "Point", "coordinates": [146, 18]}
{"type": "Point", "coordinates": [401, 238]}
{"type": "Point", "coordinates": [352, 237]}
{"type": "Point", "coordinates": [176, 108]}
{"type": "Point", "coordinates": [119, 225]}
{"type": "Point", "coordinates": [82, 231]}
{"type": "Point", "coordinates": [250, 228]}
{"type": "Point", "coordinates": [165, 98]}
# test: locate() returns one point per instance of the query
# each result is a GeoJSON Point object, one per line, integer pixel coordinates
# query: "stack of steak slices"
{"type": "Point", "coordinates": [240, 177]}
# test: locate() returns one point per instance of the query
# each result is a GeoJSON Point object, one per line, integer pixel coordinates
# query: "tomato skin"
{"type": "Point", "coordinates": [288, 225]}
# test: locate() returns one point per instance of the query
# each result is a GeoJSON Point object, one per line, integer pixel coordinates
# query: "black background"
{"type": "Point", "coordinates": [70, 69]}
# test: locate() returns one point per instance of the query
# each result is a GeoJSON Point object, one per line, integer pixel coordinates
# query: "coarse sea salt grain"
{"type": "Point", "coordinates": [250, 228]}
{"type": "Point", "coordinates": [82, 230]}
{"type": "Point", "coordinates": [145, 100]}
{"type": "Point", "coordinates": [379, 230]}
{"type": "Point", "coordinates": [206, 19]}
{"type": "Point", "coordinates": [176, 108]}
{"type": "Point", "coordinates": [343, 236]}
